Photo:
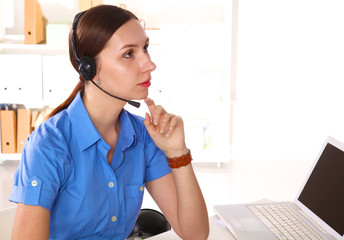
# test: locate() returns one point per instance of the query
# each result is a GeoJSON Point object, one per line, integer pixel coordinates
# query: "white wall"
{"type": "Point", "coordinates": [289, 78]}
{"type": "Point", "coordinates": [15, 10]}
{"type": "Point", "coordinates": [2, 20]}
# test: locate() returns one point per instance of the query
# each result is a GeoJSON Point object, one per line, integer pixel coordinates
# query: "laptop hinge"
{"type": "Point", "coordinates": [312, 221]}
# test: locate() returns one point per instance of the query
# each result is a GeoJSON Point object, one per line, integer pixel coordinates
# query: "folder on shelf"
{"type": "Point", "coordinates": [34, 115]}
{"type": "Point", "coordinates": [8, 123]}
{"type": "Point", "coordinates": [23, 127]}
{"type": "Point", "coordinates": [34, 25]}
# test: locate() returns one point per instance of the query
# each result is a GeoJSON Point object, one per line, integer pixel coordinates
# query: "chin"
{"type": "Point", "coordinates": [138, 95]}
{"type": "Point", "coordinates": [142, 96]}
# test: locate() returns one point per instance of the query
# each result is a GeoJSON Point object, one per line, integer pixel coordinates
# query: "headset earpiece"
{"type": "Point", "coordinates": [87, 68]}
{"type": "Point", "coordinates": [86, 65]}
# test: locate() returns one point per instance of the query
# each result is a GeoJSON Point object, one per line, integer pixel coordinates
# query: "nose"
{"type": "Point", "coordinates": [148, 65]}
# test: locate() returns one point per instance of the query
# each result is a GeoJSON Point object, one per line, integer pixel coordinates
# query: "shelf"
{"type": "Point", "coordinates": [15, 45]}
{"type": "Point", "coordinates": [10, 157]}
{"type": "Point", "coordinates": [32, 49]}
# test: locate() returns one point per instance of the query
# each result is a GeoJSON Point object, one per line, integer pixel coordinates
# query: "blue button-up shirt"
{"type": "Point", "coordinates": [64, 169]}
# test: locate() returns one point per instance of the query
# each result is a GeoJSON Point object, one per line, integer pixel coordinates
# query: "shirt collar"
{"type": "Point", "coordinates": [86, 132]}
{"type": "Point", "coordinates": [127, 129]}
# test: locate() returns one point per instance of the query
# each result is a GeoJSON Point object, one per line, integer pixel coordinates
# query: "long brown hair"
{"type": "Point", "coordinates": [95, 28]}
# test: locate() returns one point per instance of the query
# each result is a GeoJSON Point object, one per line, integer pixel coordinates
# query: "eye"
{"type": "Point", "coordinates": [128, 54]}
{"type": "Point", "coordinates": [145, 48]}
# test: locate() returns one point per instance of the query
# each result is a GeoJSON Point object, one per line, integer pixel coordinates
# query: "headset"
{"type": "Point", "coordinates": [86, 65]}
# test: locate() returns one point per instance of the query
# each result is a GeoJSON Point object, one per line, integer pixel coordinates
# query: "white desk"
{"type": "Point", "coordinates": [6, 222]}
{"type": "Point", "coordinates": [216, 232]}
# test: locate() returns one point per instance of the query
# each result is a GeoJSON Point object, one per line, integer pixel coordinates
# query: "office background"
{"type": "Point", "coordinates": [262, 80]}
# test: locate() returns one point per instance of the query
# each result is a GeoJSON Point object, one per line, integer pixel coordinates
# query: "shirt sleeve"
{"type": "Point", "coordinates": [41, 171]}
{"type": "Point", "coordinates": [157, 164]}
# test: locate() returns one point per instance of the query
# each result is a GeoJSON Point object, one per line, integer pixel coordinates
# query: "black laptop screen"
{"type": "Point", "coordinates": [323, 193]}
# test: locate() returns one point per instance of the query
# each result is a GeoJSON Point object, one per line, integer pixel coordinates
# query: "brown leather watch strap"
{"type": "Point", "coordinates": [181, 161]}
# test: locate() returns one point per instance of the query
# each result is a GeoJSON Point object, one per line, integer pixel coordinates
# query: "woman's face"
{"type": "Point", "coordinates": [124, 65]}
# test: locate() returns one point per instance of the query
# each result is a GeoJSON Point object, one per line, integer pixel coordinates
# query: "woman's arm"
{"type": "Point", "coordinates": [31, 222]}
{"type": "Point", "coordinates": [180, 199]}
{"type": "Point", "coordinates": [178, 194]}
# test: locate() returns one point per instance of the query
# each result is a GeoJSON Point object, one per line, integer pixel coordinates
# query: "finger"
{"type": "Point", "coordinates": [154, 110]}
{"type": "Point", "coordinates": [148, 124]}
{"type": "Point", "coordinates": [158, 114]}
{"type": "Point", "coordinates": [164, 122]}
{"type": "Point", "coordinates": [173, 123]}
{"type": "Point", "coordinates": [150, 104]}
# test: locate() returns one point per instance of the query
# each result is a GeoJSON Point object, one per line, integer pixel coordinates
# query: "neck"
{"type": "Point", "coordinates": [104, 113]}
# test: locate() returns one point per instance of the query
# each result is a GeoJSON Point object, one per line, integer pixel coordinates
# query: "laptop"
{"type": "Point", "coordinates": [316, 213]}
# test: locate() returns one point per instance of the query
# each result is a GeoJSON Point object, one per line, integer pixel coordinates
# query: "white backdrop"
{"type": "Point", "coordinates": [290, 78]}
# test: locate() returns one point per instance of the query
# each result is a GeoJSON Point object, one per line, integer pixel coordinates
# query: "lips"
{"type": "Point", "coordinates": [146, 83]}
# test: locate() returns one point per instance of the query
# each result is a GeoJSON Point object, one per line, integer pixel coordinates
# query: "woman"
{"type": "Point", "coordinates": [83, 171]}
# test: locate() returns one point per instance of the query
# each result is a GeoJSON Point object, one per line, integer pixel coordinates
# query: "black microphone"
{"type": "Point", "coordinates": [135, 104]}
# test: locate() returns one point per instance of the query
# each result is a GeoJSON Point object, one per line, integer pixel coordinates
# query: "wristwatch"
{"type": "Point", "coordinates": [181, 161]}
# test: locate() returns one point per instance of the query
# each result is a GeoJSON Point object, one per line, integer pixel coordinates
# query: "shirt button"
{"type": "Point", "coordinates": [111, 184]}
{"type": "Point", "coordinates": [114, 219]}
{"type": "Point", "coordinates": [141, 188]}
{"type": "Point", "coordinates": [34, 183]}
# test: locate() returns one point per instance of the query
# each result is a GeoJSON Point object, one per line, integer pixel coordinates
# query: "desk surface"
{"type": "Point", "coordinates": [217, 231]}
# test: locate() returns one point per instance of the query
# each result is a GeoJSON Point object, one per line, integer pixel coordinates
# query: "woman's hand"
{"type": "Point", "coordinates": [177, 194]}
{"type": "Point", "coordinates": [166, 130]}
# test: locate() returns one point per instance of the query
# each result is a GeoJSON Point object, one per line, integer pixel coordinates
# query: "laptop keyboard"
{"type": "Point", "coordinates": [283, 221]}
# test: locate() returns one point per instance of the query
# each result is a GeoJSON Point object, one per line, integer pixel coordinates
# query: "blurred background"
{"type": "Point", "coordinates": [259, 84]}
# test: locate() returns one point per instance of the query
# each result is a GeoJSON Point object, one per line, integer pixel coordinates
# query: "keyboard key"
{"type": "Point", "coordinates": [283, 222]}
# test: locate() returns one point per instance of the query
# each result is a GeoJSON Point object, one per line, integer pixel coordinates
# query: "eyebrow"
{"type": "Point", "coordinates": [133, 45]}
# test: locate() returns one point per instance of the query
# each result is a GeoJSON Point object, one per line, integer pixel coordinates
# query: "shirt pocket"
{"type": "Point", "coordinates": [133, 200]}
